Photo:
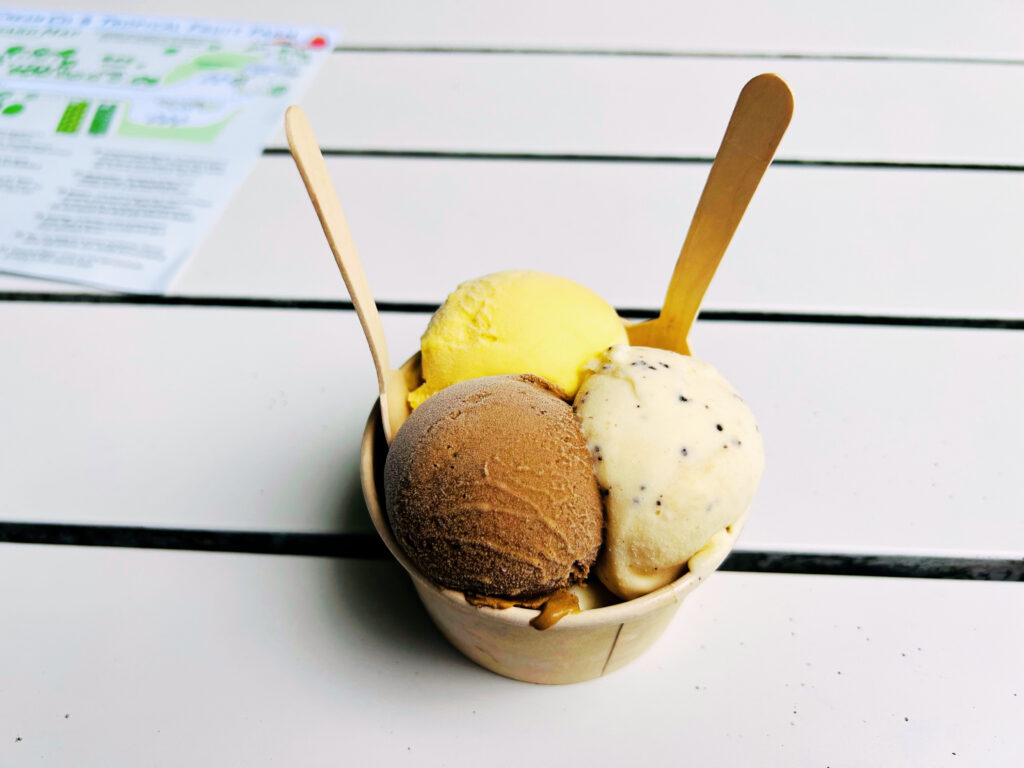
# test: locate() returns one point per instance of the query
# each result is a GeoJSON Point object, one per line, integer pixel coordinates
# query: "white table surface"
{"type": "Point", "coordinates": [870, 309]}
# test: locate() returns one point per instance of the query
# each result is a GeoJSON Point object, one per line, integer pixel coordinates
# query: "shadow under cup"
{"type": "Point", "coordinates": [579, 647]}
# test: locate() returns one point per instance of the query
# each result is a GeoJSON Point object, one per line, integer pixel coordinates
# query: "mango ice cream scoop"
{"type": "Point", "coordinates": [516, 322]}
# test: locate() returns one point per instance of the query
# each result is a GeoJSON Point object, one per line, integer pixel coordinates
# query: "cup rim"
{"type": "Point", "coordinates": [618, 613]}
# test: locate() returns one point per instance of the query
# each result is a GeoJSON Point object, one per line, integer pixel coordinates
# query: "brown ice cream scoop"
{"type": "Point", "coordinates": [490, 489]}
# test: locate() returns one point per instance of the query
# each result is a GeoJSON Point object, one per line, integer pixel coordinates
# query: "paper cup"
{"type": "Point", "coordinates": [580, 647]}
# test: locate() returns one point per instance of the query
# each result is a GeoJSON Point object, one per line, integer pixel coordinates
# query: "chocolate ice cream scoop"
{"type": "Point", "coordinates": [491, 490]}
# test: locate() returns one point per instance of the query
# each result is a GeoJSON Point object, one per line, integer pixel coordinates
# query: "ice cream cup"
{"type": "Point", "coordinates": [579, 647]}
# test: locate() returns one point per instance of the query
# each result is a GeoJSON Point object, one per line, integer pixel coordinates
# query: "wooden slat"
{"type": "Point", "coordinates": [818, 239]}
{"type": "Point", "coordinates": [878, 439]}
{"type": "Point", "coordinates": [813, 240]}
{"type": "Point", "coordinates": [875, 27]}
{"type": "Point", "coordinates": [167, 659]}
{"type": "Point", "coordinates": [201, 418]}
{"type": "Point", "coordinates": [845, 110]}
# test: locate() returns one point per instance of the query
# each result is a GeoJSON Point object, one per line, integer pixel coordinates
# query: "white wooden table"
{"type": "Point", "coordinates": [188, 575]}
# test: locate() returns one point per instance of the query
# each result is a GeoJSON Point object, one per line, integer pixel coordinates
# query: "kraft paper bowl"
{"type": "Point", "coordinates": [580, 647]}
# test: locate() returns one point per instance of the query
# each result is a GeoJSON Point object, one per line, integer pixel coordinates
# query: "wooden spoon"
{"type": "Point", "coordinates": [761, 115]}
{"type": "Point", "coordinates": [394, 388]}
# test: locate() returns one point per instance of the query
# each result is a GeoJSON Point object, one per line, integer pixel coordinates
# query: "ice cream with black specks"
{"type": "Point", "coordinates": [678, 456]}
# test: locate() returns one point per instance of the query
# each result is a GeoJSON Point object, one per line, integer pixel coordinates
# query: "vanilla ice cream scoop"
{"type": "Point", "coordinates": [678, 457]}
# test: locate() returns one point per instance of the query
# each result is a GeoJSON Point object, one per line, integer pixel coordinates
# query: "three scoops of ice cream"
{"type": "Point", "coordinates": [542, 445]}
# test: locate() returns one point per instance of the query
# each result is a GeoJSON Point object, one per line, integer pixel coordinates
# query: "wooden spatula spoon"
{"type": "Point", "coordinates": [761, 115]}
{"type": "Point", "coordinates": [394, 389]}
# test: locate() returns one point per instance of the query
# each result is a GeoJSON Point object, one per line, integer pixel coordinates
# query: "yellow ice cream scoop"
{"type": "Point", "coordinates": [516, 322]}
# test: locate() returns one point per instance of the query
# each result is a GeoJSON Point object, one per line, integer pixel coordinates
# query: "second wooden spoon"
{"type": "Point", "coordinates": [761, 115]}
{"type": "Point", "coordinates": [393, 384]}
